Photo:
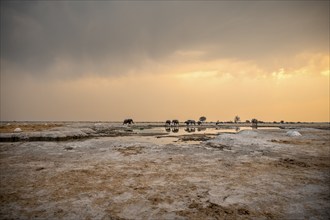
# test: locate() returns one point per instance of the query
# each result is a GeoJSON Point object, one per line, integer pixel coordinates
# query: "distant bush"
{"type": "Point", "coordinates": [237, 119]}
{"type": "Point", "coordinates": [202, 118]}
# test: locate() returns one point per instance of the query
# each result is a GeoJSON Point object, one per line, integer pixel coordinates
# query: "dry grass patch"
{"type": "Point", "coordinates": [128, 151]}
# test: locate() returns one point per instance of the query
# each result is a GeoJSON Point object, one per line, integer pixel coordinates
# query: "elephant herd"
{"type": "Point", "coordinates": [173, 122]}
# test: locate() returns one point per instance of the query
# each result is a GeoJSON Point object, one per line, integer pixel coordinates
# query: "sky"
{"type": "Point", "coordinates": [159, 60]}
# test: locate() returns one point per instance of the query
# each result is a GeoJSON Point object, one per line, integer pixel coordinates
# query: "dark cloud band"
{"type": "Point", "coordinates": [114, 37]}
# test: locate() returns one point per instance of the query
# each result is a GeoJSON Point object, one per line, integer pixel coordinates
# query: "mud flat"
{"type": "Point", "coordinates": [117, 172]}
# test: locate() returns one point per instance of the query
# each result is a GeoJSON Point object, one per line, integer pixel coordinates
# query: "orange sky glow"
{"type": "Point", "coordinates": [287, 81]}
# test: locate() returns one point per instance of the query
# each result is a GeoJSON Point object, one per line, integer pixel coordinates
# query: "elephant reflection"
{"type": "Point", "coordinates": [201, 129]}
{"type": "Point", "coordinates": [189, 130]}
{"type": "Point", "coordinates": [175, 130]}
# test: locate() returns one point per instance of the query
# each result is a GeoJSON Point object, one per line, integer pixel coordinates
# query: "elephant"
{"type": "Point", "coordinates": [199, 122]}
{"type": "Point", "coordinates": [190, 122]}
{"type": "Point", "coordinates": [168, 122]}
{"type": "Point", "coordinates": [254, 123]}
{"type": "Point", "coordinates": [175, 122]}
{"type": "Point", "coordinates": [128, 121]}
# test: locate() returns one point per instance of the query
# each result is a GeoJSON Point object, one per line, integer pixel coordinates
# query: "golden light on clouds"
{"type": "Point", "coordinates": [296, 94]}
{"type": "Point", "coordinates": [198, 74]}
{"type": "Point", "coordinates": [158, 61]}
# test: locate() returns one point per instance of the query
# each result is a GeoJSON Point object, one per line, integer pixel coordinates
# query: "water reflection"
{"type": "Point", "coordinates": [215, 130]}
{"type": "Point", "coordinates": [189, 130]}
{"type": "Point", "coordinates": [173, 130]}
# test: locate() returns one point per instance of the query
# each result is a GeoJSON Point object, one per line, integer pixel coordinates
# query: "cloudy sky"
{"type": "Point", "coordinates": [158, 60]}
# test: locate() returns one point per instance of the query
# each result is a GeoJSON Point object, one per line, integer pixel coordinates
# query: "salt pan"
{"type": "Point", "coordinates": [18, 130]}
{"type": "Point", "coordinates": [293, 133]}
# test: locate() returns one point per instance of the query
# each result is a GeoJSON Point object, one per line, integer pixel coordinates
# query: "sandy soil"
{"type": "Point", "coordinates": [259, 174]}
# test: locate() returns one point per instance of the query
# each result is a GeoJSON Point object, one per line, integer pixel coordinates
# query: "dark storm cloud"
{"type": "Point", "coordinates": [114, 37]}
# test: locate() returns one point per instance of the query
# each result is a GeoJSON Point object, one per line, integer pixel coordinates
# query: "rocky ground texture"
{"type": "Point", "coordinates": [252, 174]}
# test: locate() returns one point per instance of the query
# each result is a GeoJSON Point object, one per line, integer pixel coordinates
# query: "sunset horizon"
{"type": "Point", "coordinates": [170, 109]}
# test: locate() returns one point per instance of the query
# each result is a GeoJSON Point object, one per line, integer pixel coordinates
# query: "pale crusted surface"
{"type": "Point", "coordinates": [250, 175]}
{"type": "Point", "coordinates": [27, 127]}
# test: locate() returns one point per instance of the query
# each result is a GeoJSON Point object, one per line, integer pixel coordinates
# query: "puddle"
{"type": "Point", "coordinates": [145, 139]}
{"type": "Point", "coordinates": [177, 131]}
{"type": "Point", "coordinates": [168, 135]}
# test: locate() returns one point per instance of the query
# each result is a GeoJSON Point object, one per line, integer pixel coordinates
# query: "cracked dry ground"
{"type": "Point", "coordinates": [265, 175]}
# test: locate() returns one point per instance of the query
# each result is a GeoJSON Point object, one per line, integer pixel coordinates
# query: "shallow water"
{"type": "Point", "coordinates": [170, 135]}
{"type": "Point", "coordinates": [177, 131]}
{"type": "Point", "coordinates": [145, 140]}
